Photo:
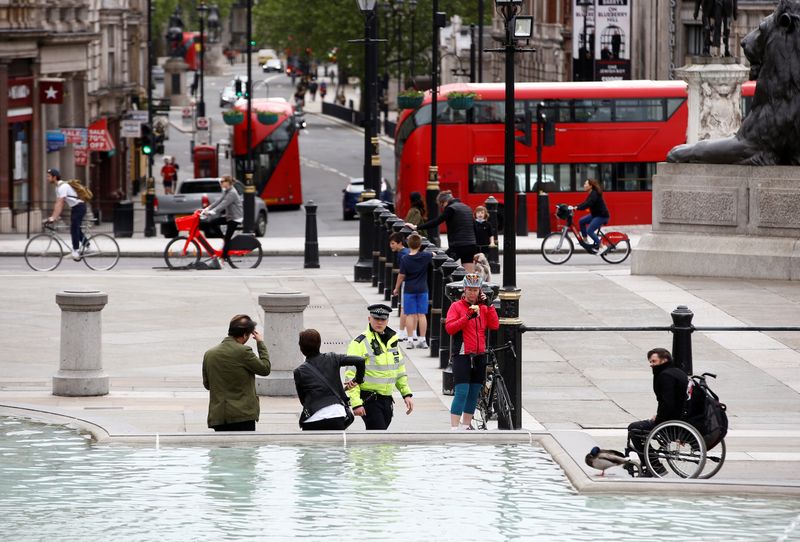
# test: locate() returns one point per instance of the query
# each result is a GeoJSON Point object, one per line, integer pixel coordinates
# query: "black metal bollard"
{"type": "Point", "coordinates": [682, 330]}
{"type": "Point", "coordinates": [388, 261]}
{"type": "Point", "coordinates": [363, 268]}
{"type": "Point", "coordinates": [311, 252]}
{"type": "Point", "coordinates": [510, 330]}
{"type": "Point", "coordinates": [376, 249]}
{"type": "Point", "coordinates": [398, 226]}
{"type": "Point", "coordinates": [542, 215]}
{"type": "Point", "coordinates": [432, 273]}
{"type": "Point", "coordinates": [444, 342]}
{"type": "Point", "coordinates": [383, 247]}
{"type": "Point", "coordinates": [494, 251]}
{"type": "Point", "coordinates": [522, 215]}
{"type": "Point", "coordinates": [453, 292]}
{"type": "Point", "coordinates": [444, 268]}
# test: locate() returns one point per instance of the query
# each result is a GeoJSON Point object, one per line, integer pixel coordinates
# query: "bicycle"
{"type": "Point", "coordinates": [184, 252]}
{"type": "Point", "coordinates": [557, 247]}
{"type": "Point", "coordinates": [45, 250]}
{"type": "Point", "coordinates": [494, 402]}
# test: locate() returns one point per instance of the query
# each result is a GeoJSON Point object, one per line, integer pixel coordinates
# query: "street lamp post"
{"type": "Point", "coordinates": [150, 194]}
{"type": "Point", "coordinates": [516, 27]}
{"type": "Point", "coordinates": [201, 105]}
{"type": "Point", "coordinates": [432, 190]}
{"type": "Point", "coordinates": [412, 70]}
{"type": "Point", "coordinates": [249, 186]}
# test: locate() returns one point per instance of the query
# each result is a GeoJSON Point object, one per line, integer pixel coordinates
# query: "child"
{"type": "Point", "coordinates": [484, 232]}
{"type": "Point", "coordinates": [396, 245]}
{"type": "Point", "coordinates": [414, 272]}
{"type": "Point", "coordinates": [482, 266]}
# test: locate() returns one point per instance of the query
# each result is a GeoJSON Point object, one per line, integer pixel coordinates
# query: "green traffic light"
{"type": "Point", "coordinates": [147, 149]}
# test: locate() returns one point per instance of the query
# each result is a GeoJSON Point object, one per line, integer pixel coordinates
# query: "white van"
{"type": "Point", "coordinates": [266, 54]}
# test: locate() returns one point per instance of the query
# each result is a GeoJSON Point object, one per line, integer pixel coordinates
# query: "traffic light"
{"type": "Point", "coordinates": [237, 87]}
{"type": "Point", "coordinates": [146, 140]}
{"type": "Point", "coordinates": [158, 145]}
{"type": "Point", "coordinates": [247, 89]}
{"type": "Point", "coordinates": [524, 125]}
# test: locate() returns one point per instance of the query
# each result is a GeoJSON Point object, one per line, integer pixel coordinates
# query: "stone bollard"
{"type": "Point", "coordinates": [311, 252]}
{"type": "Point", "coordinates": [283, 322]}
{"type": "Point", "coordinates": [80, 371]}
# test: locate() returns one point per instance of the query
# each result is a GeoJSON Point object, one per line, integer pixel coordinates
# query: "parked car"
{"type": "Point", "coordinates": [272, 65]}
{"type": "Point", "coordinates": [352, 195]}
{"type": "Point", "coordinates": [193, 194]}
{"type": "Point", "coordinates": [227, 95]}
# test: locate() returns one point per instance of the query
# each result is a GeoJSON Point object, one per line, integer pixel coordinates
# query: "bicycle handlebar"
{"type": "Point", "coordinates": [508, 346]}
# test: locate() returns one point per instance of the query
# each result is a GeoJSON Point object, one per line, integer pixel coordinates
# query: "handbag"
{"type": "Point", "coordinates": [345, 401]}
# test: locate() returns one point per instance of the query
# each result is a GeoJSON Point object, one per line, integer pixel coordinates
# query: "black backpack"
{"type": "Point", "coordinates": [705, 411]}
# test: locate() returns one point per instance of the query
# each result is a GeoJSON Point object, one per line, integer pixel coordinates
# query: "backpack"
{"type": "Point", "coordinates": [84, 194]}
{"type": "Point", "coordinates": [705, 411]}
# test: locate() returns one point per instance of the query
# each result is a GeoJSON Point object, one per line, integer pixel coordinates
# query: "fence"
{"type": "Point", "coordinates": [354, 117]}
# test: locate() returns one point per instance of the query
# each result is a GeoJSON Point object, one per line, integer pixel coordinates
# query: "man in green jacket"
{"type": "Point", "coordinates": [229, 371]}
{"type": "Point", "coordinates": [385, 371]}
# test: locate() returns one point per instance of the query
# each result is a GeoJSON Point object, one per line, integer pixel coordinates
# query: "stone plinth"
{"type": "Point", "coordinates": [283, 322]}
{"type": "Point", "coordinates": [6, 220]}
{"type": "Point", "coordinates": [723, 221]}
{"type": "Point", "coordinates": [81, 358]}
{"type": "Point", "coordinates": [175, 81]}
{"type": "Point", "coordinates": [715, 91]}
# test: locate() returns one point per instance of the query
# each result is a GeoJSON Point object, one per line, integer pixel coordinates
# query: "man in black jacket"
{"type": "Point", "coordinates": [460, 228]}
{"type": "Point", "coordinates": [319, 385]}
{"type": "Point", "coordinates": [669, 385]}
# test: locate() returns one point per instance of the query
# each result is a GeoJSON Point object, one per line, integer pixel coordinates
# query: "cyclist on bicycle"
{"type": "Point", "coordinates": [669, 384]}
{"type": "Point", "coordinates": [64, 192]}
{"type": "Point", "coordinates": [467, 320]}
{"type": "Point", "coordinates": [231, 203]}
{"type": "Point", "coordinates": [598, 214]}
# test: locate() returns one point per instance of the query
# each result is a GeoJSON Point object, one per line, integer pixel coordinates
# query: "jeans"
{"type": "Point", "coordinates": [76, 220]}
{"type": "Point", "coordinates": [594, 223]}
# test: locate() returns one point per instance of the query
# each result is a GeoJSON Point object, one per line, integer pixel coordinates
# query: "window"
{"type": "Point", "coordinates": [639, 110]}
{"type": "Point", "coordinates": [592, 110]}
{"type": "Point", "coordinates": [624, 177]}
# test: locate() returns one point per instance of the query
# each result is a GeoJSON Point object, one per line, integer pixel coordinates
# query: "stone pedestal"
{"type": "Point", "coordinates": [6, 220]}
{"type": "Point", "coordinates": [723, 221]}
{"type": "Point", "coordinates": [212, 64]}
{"type": "Point", "coordinates": [175, 81]}
{"type": "Point", "coordinates": [81, 358]}
{"type": "Point", "coordinates": [715, 90]}
{"type": "Point", "coordinates": [283, 322]}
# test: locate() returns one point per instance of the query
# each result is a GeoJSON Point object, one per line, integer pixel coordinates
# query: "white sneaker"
{"type": "Point", "coordinates": [76, 255]}
{"type": "Point", "coordinates": [422, 344]}
{"type": "Point", "coordinates": [409, 344]}
{"type": "Point", "coordinates": [402, 336]}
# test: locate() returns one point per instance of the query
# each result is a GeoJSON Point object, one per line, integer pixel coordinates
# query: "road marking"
{"type": "Point", "coordinates": [318, 165]}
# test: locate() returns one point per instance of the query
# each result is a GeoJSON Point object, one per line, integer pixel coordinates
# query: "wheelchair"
{"type": "Point", "coordinates": [676, 449]}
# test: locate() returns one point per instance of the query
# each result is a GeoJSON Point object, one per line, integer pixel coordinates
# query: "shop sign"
{"type": "Point", "coordinates": [20, 92]}
{"type": "Point", "coordinates": [81, 156]}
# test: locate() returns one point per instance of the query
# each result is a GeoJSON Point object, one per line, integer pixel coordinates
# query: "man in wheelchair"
{"type": "Point", "coordinates": [669, 385]}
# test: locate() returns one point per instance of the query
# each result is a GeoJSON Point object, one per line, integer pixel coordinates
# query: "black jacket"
{"type": "Point", "coordinates": [460, 225]}
{"type": "Point", "coordinates": [313, 393]}
{"type": "Point", "coordinates": [483, 233]}
{"type": "Point", "coordinates": [669, 385]}
{"type": "Point", "coordinates": [595, 203]}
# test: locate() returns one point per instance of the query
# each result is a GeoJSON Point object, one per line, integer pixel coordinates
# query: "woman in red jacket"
{"type": "Point", "coordinates": [467, 321]}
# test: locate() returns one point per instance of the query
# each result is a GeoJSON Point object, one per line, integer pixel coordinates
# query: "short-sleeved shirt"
{"type": "Point", "coordinates": [402, 253]}
{"type": "Point", "coordinates": [415, 269]}
{"type": "Point", "coordinates": [64, 190]}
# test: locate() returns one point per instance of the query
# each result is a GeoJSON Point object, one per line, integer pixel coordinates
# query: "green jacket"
{"type": "Point", "coordinates": [384, 366]}
{"type": "Point", "coordinates": [229, 371]}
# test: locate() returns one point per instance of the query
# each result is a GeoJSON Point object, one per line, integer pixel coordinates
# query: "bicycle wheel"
{"type": "Point", "coordinates": [714, 460]}
{"type": "Point", "coordinates": [557, 248]}
{"type": "Point", "coordinates": [680, 445]}
{"type": "Point", "coordinates": [483, 412]}
{"type": "Point", "coordinates": [100, 252]}
{"type": "Point", "coordinates": [503, 400]}
{"type": "Point", "coordinates": [43, 252]}
{"type": "Point", "coordinates": [620, 247]}
{"type": "Point", "coordinates": [245, 259]}
{"type": "Point", "coordinates": [181, 253]}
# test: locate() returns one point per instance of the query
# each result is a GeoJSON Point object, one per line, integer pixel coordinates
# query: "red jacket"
{"type": "Point", "coordinates": [473, 331]}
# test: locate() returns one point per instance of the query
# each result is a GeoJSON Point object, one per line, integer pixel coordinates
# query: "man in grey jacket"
{"type": "Point", "coordinates": [229, 202]}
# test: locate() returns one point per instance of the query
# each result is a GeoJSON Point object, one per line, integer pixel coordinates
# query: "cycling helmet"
{"type": "Point", "coordinates": [472, 280]}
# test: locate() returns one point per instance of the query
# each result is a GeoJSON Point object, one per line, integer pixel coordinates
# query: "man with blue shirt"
{"type": "Point", "coordinates": [414, 273]}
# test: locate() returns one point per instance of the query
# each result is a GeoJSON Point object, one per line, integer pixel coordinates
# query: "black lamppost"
{"type": "Point", "coordinates": [516, 27]}
{"type": "Point", "coordinates": [150, 194]}
{"type": "Point", "coordinates": [412, 68]}
{"type": "Point", "coordinates": [249, 186]}
{"type": "Point", "coordinates": [587, 59]}
{"type": "Point", "coordinates": [201, 105]}
{"type": "Point", "coordinates": [432, 190]}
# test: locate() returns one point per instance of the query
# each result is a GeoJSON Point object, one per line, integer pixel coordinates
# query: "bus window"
{"type": "Point", "coordinates": [642, 110]}
{"type": "Point", "coordinates": [592, 110]}
{"type": "Point", "coordinates": [488, 112]}
{"type": "Point", "coordinates": [672, 105]}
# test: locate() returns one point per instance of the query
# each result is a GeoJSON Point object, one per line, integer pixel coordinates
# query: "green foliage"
{"type": "Point", "coordinates": [412, 93]}
{"type": "Point", "coordinates": [456, 95]}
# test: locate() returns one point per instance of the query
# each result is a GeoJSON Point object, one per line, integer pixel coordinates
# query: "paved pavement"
{"type": "Point", "coordinates": [581, 387]}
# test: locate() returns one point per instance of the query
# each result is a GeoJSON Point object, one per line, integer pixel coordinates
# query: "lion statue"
{"type": "Point", "coordinates": [770, 133]}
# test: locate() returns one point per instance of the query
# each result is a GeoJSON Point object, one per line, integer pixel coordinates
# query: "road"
{"type": "Point", "coordinates": [331, 153]}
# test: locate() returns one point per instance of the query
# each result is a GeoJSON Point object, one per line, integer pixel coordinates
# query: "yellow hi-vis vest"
{"type": "Point", "coordinates": [384, 368]}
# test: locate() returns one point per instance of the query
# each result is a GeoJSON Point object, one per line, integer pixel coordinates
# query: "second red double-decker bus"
{"type": "Point", "coordinates": [615, 132]}
{"type": "Point", "coordinates": [276, 153]}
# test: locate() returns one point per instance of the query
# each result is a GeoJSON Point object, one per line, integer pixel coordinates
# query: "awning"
{"type": "Point", "coordinates": [99, 138]}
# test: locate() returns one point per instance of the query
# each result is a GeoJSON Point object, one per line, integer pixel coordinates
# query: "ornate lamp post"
{"type": "Point", "coordinates": [202, 9]}
{"type": "Point", "coordinates": [150, 193]}
{"type": "Point", "coordinates": [516, 27]}
{"type": "Point", "coordinates": [249, 186]}
{"type": "Point", "coordinates": [432, 190]}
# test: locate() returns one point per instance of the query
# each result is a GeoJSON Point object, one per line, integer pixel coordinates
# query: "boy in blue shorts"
{"type": "Point", "coordinates": [396, 244]}
{"type": "Point", "coordinates": [414, 272]}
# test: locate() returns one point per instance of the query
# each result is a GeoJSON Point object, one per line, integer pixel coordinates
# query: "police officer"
{"type": "Point", "coordinates": [385, 371]}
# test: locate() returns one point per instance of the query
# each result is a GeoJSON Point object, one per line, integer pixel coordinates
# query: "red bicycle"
{"type": "Point", "coordinates": [557, 248]}
{"type": "Point", "coordinates": [184, 252]}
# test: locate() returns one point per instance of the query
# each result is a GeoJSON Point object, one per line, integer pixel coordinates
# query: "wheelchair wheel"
{"type": "Point", "coordinates": [677, 444]}
{"type": "Point", "coordinates": [714, 460]}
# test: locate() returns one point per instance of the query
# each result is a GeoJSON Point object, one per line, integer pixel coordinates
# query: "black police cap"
{"type": "Point", "coordinates": [379, 311]}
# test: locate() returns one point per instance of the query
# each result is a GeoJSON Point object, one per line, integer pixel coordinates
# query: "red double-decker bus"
{"type": "Point", "coordinates": [276, 153]}
{"type": "Point", "coordinates": [615, 132]}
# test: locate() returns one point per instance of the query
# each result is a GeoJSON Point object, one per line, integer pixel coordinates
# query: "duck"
{"type": "Point", "coordinates": [605, 459]}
